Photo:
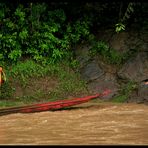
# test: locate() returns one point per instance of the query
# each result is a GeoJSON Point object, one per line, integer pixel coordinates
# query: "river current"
{"type": "Point", "coordinates": [87, 124]}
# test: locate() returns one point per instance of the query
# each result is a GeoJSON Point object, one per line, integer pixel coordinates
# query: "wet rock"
{"type": "Point", "coordinates": [141, 95]}
{"type": "Point", "coordinates": [136, 69]}
{"type": "Point", "coordinates": [103, 83]}
{"type": "Point", "coordinates": [82, 54]}
{"type": "Point", "coordinates": [144, 36]}
{"type": "Point", "coordinates": [133, 41]}
{"type": "Point", "coordinates": [126, 41]}
{"type": "Point", "coordinates": [118, 42]}
{"type": "Point", "coordinates": [143, 92]}
{"type": "Point", "coordinates": [91, 71]}
{"type": "Point", "coordinates": [105, 35]}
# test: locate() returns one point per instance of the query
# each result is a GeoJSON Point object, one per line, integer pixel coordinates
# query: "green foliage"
{"type": "Point", "coordinates": [69, 83]}
{"type": "Point", "coordinates": [47, 34]}
{"type": "Point", "coordinates": [74, 64]}
{"type": "Point", "coordinates": [15, 55]}
{"type": "Point", "coordinates": [109, 54]}
{"type": "Point", "coordinates": [125, 91]}
{"type": "Point", "coordinates": [8, 103]}
{"type": "Point", "coordinates": [120, 27]}
{"type": "Point", "coordinates": [23, 73]}
{"type": "Point", "coordinates": [29, 69]}
{"type": "Point", "coordinates": [25, 70]}
{"type": "Point", "coordinates": [36, 31]}
{"type": "Point", "coordinates": [6, 91]}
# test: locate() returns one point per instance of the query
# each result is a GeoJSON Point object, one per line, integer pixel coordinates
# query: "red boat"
{"type": "Point", "coordinates": [51, 105]}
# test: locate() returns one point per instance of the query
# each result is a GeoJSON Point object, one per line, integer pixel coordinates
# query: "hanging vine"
{"type": "Point", "coordinates": [129, 10]}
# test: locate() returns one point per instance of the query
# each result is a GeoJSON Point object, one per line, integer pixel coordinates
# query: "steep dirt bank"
{"type": "Point", "coordinates": [90, 123]}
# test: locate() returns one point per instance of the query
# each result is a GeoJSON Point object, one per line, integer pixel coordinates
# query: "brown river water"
{"type": "Point", "coordinates": [87, 124]}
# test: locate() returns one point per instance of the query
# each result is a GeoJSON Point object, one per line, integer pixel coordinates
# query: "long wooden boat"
{"type": "Point", "coordinates": [55, 105]}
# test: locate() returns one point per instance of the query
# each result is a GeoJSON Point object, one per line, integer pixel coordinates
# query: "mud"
{"type": "Point", "coordinates": [87, 124]}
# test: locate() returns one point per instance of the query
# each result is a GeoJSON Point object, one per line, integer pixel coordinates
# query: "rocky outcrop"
{"type": "Point", "coordinates": [136, 69]}
{"type": "Point", "coordinates": [125, 41]}
{"type": "Point", "coordinates": [91, 71]}
{"type": "Point", "coordinates": [117, 42]}
{"type": "Point", "coordinates": [100, 76]}
{"type": "Point", "coordinates": [103, 83]}
{"type": "Point", "coordinates": [141, 95]}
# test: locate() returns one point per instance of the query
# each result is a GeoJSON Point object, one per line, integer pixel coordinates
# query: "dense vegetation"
{"type": "Point", "coordinates": [47, 32]}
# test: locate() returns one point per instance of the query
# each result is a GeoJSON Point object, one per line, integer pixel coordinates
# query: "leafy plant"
{"type": "Point", "coordinates": [111, 55]}
{"type": "Point", "coordinates": [120, 27]}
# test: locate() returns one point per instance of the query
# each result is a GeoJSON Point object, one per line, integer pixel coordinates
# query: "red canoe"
{"type": "Point", "coordinates": [51, 105]}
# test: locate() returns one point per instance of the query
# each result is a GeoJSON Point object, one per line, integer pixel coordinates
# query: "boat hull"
{"type": "Point", "coordinates": [55, 105]}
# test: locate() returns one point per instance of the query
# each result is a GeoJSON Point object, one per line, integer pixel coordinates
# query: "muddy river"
{"type": "Point", "coordinates": [87, 124]}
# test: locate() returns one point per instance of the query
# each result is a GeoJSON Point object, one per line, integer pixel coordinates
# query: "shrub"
{"type": "Point", "coordinates": [36, 31]}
